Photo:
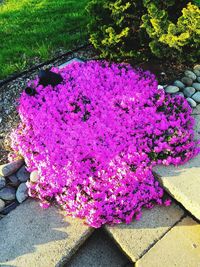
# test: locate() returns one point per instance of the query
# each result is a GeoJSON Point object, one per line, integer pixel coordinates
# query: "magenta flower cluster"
{"type": "Point", "coordinates": [95, 138]}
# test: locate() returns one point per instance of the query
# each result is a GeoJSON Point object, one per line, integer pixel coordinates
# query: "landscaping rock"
{"type": "Point", "coordinates": [198, 79]}
{"type": "Point", "coordinates": [1, 106]}
{"type": "Point", "coordinates": [34, 176]}
{"type": "Point", "coordinates": [7, 193]}
{"type": "Point", "coordinates": [189, 91]}
{"type": "Point", "coordinates": [196, 97]}
{"type": "Point", "coordinates": [197, 67]}
{"type": "Point", "coordinates": [13, 180]}
{"type": "Point", "coordinates": [10, 168]}
{"type": "Point", "coordinates": [10, 207]}
{"type": "Point", "coordinates": [2, 182]}
{"type": "Point", "coordinates": [187, 81]}
{"type": "Point", "coordinates": [179, 84]}
{"type": "Point", "coordinates": [23, 175]}
{"type": "Point", "coordinates": [22, 193]}
{"type": "Point", "coordinates": [160, 86]}
{"type": "Point", "coordinates": [179, 93]}
{"type": "Point", "coordinates": [192, 103]}
{"type": "Point", "coordinates": [190, 74]}
{"type": "Point", "coordinates": [197, 72]}
{"type": "Point", "coordinates": [196, 110]}
{"type": "Point", "coordinates": [2, 205]}
{"type": "Point", "coordinates": [171, 89]}
{"type": "Point", "coordinates": [196, 86]}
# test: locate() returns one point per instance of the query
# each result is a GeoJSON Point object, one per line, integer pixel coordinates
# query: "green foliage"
{"type": "Point", "coordinates": [33, 31]}
{"type": "Point", "coordinates": [115, 28]}
{"type": "Point", "coordinates": [174, 38]}
{"type": "Point", "coordinates": [133, 28]}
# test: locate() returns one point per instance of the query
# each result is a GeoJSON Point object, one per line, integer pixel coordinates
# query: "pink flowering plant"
{"type": "Point", "coordinates": [95, 138]}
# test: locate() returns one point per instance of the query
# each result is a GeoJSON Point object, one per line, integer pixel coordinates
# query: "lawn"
{"type": "Point", "coordinates": [33, 30]}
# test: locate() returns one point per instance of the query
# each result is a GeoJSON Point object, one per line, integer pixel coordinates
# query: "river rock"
{"type": "Point", "coordinates": [179, 84]}
{"type": "Point", "coordinates": [2, 205]}
{"type": "Point", "coordinates": [196, 86]}
{"type": "Point", "coordinates": [190, 74]}
{"type": "Point", "coordinates": [23, 175]}
{"type": "Point", "coordinates": [7, 193]}
{"type": "Point", "coordinates": [13, 180]}
{"type": "Point", "coordinates": [22, 192]}
{"type": "Point", "coordinates": [189, 91]}
{"type": "Point", "coordinates": [10, 168]}
{"type": "Point", "coordinates": [179, 93]}
{"type": "Point", "coordinates": [160, 86]}
{"type": "Point", "coordinates": [34, 176]}
{"type": "Point", "coordinates": [196, 97]}
{"type": "Point", "coordinates": [197, 73]}
{"type": "Point", "coordinates": [198, 79]}
{"type": "Point", "coordinates": [10, 207]}
{"type": "Point", "coordinates": [187, 81]}
{"type": "Point", "coordinates": [192, 103]}
{"type": "Point", "coordinates": [2, 182]}
{"type": "Point", "coordinates": [196, 67]}
{"type": "Point", "coordinates": [171, 89]}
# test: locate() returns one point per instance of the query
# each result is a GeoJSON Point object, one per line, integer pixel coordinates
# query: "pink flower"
{"type": "Point", "coordinates": [95, 138]}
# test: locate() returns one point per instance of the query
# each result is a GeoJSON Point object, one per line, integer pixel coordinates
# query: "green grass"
{"type": "Point", "coordinates": [33, 29]}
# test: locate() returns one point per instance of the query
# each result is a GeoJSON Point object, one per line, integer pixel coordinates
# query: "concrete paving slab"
{"type": "Point", "coordinates": [99, 251]}
{"type": "Point", "coordinates": [136, 238]}
{"type": "Point", "coordinates": [179, 247]}
{"type": "Point", "coordinates": [33, 237]}
{"type": "Point", "coordinates": [183, 182]}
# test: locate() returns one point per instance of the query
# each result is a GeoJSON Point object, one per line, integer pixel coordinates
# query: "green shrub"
{"type": "Point", "coordinates": [173, 36]}
{"type": "Point", "coordinates": [136, 28]}
{"type": "Point", "coordinates": [115, 28]}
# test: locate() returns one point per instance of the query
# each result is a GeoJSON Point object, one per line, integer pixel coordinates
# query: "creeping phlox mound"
{"type": "Point", "coordinates": [95, 138]}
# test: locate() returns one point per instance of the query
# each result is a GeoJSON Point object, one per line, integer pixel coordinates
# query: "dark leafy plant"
{"type": "Point", "coordinates": [115, 28]}
{"type": "Point", "coordinates": [171, 35]}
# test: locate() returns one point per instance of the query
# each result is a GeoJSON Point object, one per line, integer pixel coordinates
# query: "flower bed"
{"type": "Point", "coordinates": [95, 138]}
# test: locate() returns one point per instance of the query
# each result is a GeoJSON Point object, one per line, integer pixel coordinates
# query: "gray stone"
{"type": "Point", "coordinates": [171, 89]}
{"type": "Point", "coordinates": [70, 61]}
{"type": "Point", "coordinates": [34, 176]}
{"type": "Point", "coordinates": [196, 110]}
{"type": "Point", "coordinates": [179, 84]}
{"type": "Point", "coordinates": [13, 180]}
{"type": "Point", "coordinates": [198, 79]}
{"type": "Point", "coordinates": [192, 103]}
{"type": "Point", "coordinates": [10, 168]}
{"type": "Point", "coordinates": [2, 205]}
{"type": "Point", "coordinates": [22, 192]}
{"type": "Point", "coordinates": [196, 97]}
{"type": "Point", "coordinates": [23, 175]}
{"type": "Point", "coordinates": [197, 72]}
{"type": "Point", "coordinates": [189, 91]}
{"type": "Point", "coordinates": [187, 81]}
{"type": "Point", "coordinates": [7, 193]}
{"type": "Point", "coordinates": [1, 106]}
{"type": "Point", "coordinates": [196, 86]}
{"type": "Point", "coordinates": [1, 119]}
{"type": "Point", "coordinates": [2, 182]}
{"type": "Point", "coordinates": [197, 67]}
{"type": "Point", "coordinates": [179, 93]}
{"type": "Point", "coordinates": [36, 237]}
{"type": "Point", "coordinates": [190, 74]}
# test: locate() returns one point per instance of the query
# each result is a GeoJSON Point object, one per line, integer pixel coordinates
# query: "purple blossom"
{"type": "Point", "coordinates": [95, 138]}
